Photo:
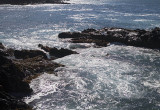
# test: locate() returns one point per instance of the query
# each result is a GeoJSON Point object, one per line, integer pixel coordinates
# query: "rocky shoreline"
{"type": "Point", "coordinates": [101, 37]}
{"type": "Point", "coordinates": [25, 2]}
{"type": "Point", "coordinates": [19, 67]}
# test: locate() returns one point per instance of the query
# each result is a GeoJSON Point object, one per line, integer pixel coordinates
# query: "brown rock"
{"type": "Point", "coordinates": [61, 52]}
{"type": "Point", "coordinates": [3, 53]}
{"type": "Point", "coordinates": [8, 102]}
{"type": "Point", "coordinates": [71, 35]}
{"type": "Point", "coordinates": [58, 53]}
{"type": "Point", "coordinates": [11, 78]}
{"type": "Point", "coordinates": [89, 30]}
{"type": "Point", "coordinates": [138, 37]}
{"type": "Point", "coordinates": [23, 54]}
{"type": "Point", "coordinates": [36, 65]}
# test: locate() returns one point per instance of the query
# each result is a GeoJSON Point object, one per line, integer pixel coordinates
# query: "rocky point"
{"type": "Point", "coordinates": [138, 37]}
{"type": "Point", "coordinates": [19, 67]}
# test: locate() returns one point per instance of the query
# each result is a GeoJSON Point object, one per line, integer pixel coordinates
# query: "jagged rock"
{"type": "Point", "coordinates": [58, 53]}
{"type": "Point", "coordinates": [15, 75]}
{"type": "Point", "coordinates": [3, 53]}
{"type": "Point", "coordinates": [61, 52]}
{"type": "Point", "coordinates": [138, 37]}
{"type": "Point", "coordinates": [45, 48]}
{"type": "Point", "coordinates": [87, 36]}
{"type": "Point", "coordinates": [10, 51]}
{"type": "Point", "coordinates": [11, 78]}
{"type": "Point", "coordinates": [71, 35]}
{"type": "Point", "coordinates": [32, 66]}
{"type": "Point", "coordinates": [89, 30]}
{"type": "Point", "coordinates": [23, 54]}
{"type": "Point", "coordinates": [90, 40]}
{"type": "Point", "coordinates": [8, 102]}
{"type": "Point", "coordinates": [1, 46]}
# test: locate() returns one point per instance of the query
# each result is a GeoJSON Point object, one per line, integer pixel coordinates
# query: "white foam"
{"type": "Point", "coordinates": [132, 34]}
{"type": "Point", "coordinates": [142, 20]}
{"type": "Point", "coordinates": [93, 76]}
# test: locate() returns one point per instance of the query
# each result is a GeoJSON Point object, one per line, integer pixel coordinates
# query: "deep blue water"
{"type": "Point", "coordinates": [127, 79]}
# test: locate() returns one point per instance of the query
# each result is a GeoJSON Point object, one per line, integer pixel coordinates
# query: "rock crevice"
{"type": "Point", "coordinates": [16, 73]}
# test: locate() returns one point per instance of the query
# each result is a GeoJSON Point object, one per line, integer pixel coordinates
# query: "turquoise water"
{"type": "Point", "coordinates": [116, 77]}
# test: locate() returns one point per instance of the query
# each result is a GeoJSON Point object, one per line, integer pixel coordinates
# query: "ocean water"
{"type": "Point", "coordinates": [117, 77]}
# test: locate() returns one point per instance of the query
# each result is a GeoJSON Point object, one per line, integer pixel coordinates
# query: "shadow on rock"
{"type": "Point", "coordinates": [57, 53]}
{"type": "Point", "coordinates": [138, 37]}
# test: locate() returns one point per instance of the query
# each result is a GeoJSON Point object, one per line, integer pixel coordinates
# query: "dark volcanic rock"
{"type": "Point", "coordinates": [58, 53]}
{"type": "Point", "coordinates": [3, 53]}
{"type": "Point", "coordinates": [86, 36]}
{"type": "Point", "coordinates": [11, 81]}
{"type": "Point", "coordinates": [1, 46]}
{"type": "Point", "coordinates": [141, 38]}
{"type": "Point", "coordinates": [45, 48]}
{"type": "Point", "coordinates": [89, 30]}
{"type": "Point", "coordinates": [61, 52]}
{"type": "Point", "coordinates": [90, 40]}
{"type": "Point", "coordinates": [15, 75]}
{"type": "Point", "coordinates": [10, 51]}
{"type": "Point", "coordinates": [71, 35]}
{"type": "Point", "coordinates": [36, 65]}
{"type": "Point", "coordinates": [11, 78]}
{"type": "Point", "coordinates": [23, 54]}
{"type": "Point", "coordinates": [7, 52]}
{"type": "Point", "coordinates": [8, 102]}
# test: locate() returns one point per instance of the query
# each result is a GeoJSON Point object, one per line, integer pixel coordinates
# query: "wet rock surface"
{"type": "Point", "coordinates": [8, 102]}
{"type": "Point", "coordinates": [33, 67]}
{"type": "Point", "coordinates": [1, 46]}
{"type": "Point", "coordinates": [24, 54]}
{"type": "Point", "coordinates": [11, 81]}
{"type": "Point", "coordinates": [11, 78]}
{"type": "Point", "coordinates": [57, 53]}
{"type": "Point", "coordinates": [138, 37]}
{"type": "Point", "coordinates": [16, 73]}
